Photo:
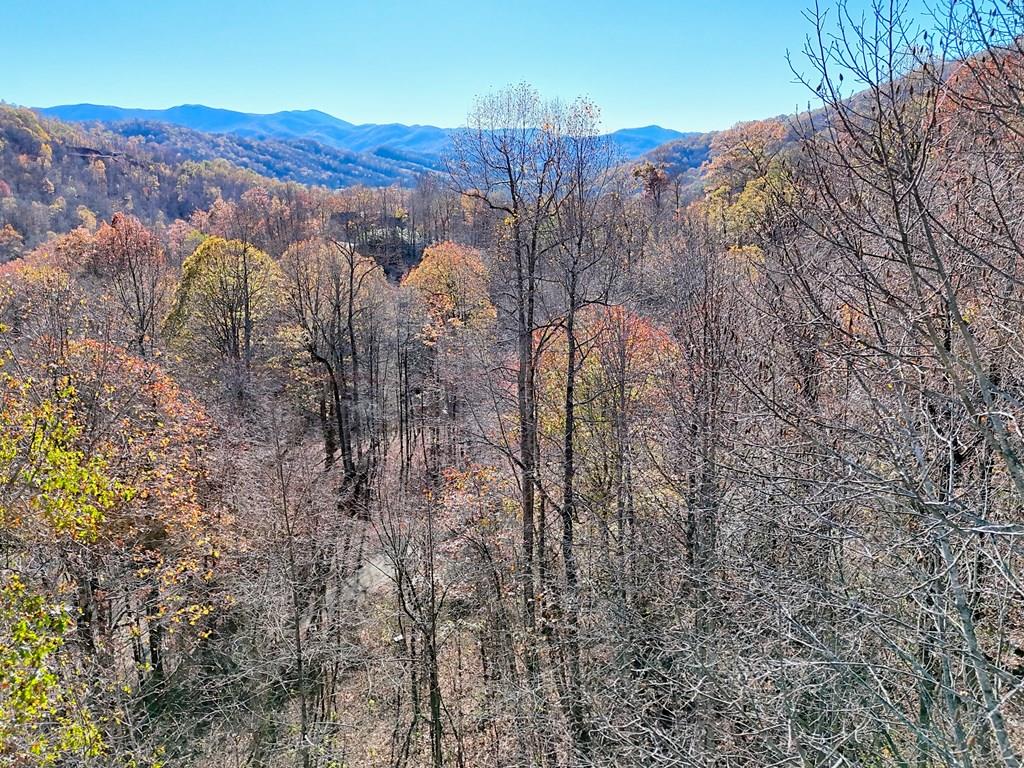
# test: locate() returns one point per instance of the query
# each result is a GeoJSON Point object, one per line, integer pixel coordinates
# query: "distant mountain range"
{"type": "Point", "coordinates": [287, 159]}
{"type": "Point", "coordinates": [411, 143]}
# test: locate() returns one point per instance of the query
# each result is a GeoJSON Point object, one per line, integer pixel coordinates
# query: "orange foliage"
{"type": "Point", "coordinates": [453, 281]}
{"type": "Point", "coordinates": [152, 437]}
{"type": "Point", "coordinates": [624, 361]}
{"type": "Point", "coordinates": [125, 243]}
{"type": "Point", "coordinates": [744, 152]}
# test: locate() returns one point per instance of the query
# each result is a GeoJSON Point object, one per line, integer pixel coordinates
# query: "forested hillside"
{"type": "Point", "coordinates": [56, 177]}
{"type": "Point", "coordinates": [536, 461]}
{"type": "Point", "coordinates": [301, 160]}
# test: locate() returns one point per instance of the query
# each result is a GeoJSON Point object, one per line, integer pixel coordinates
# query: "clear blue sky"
{"type": "Point", "coordinates": [685, 64]}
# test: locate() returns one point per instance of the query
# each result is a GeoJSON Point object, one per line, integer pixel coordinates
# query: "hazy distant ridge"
{"type": "Point", "coordinates": [427, 140]}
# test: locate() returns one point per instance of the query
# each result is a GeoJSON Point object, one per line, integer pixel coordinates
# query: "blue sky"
{"type": "Point", "coordinates": [684, 64]}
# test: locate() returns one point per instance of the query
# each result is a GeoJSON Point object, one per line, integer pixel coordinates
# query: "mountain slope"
{"type": "Point", "coordinates": [427, 141]}
{"type": "Point", "coordinates": [309, 124]}
{"type": "Point", "coordinates": [56, 176]}
{"type": "Point", "coordinates": [683, 154]}
{"type": "Point", "coordinates": [302, 160]}
{"type": "Point", "coordinates": [634, 142]}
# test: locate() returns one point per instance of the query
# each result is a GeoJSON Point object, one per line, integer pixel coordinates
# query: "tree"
{"type": "Point", "coordinates": [454, 282]}
{"type": "Point", "coordinates": [508, 159]}
{"type": "Point", "coordinates": [135, 263]}
{"type": "Point", "coordinates": [338, 299]}
{"type": "Point", "coordinates": [50, 490]}
{"type": "Point", "coordinates": [11, 242]}
{"type": "Point", "coordinates": [226, 302]}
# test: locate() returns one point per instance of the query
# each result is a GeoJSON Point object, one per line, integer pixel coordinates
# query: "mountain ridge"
{"type": "Point", "coordinates": [428, 140]}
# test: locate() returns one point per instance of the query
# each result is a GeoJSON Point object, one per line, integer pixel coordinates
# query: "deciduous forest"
{"type": "Point", "coordinates": [541, 459]}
